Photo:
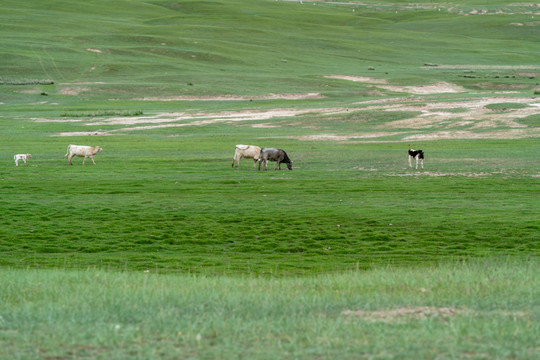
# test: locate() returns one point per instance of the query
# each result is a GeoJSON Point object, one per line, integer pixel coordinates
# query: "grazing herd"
{"type": "Point", "coordinates": [262, 156]}
{"type": "Point", "coordinates": [259, 155]}
{"type": "Point", "coordinates": [72, 150]}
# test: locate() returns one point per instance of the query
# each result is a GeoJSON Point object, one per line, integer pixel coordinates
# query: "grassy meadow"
{"type": "Point", "coordinates": [480, 310]}
{"type": "Point", "coordinates": [162, 250]}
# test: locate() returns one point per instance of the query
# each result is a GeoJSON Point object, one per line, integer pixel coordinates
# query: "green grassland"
{"type": "Point", "coordinates": [166, 198]}
{"type": "Point", "coordinates": [197, 214]}
{"type": "Point", "coordinates": [480, 310]}
{"type": "Point", "coordinates": [167, 88]}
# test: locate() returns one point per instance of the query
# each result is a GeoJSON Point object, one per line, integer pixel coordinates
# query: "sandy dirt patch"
{"type": "Point", "coordinates": [203, 118]}
{"type": "Point", "coordinates": [499, 134]}
{"type": "Point", "coordinates": [510, 88]}
{"type": "Point", "coordinates": [28, 91]}
{"type": "Point", "coordinates": [56, 120]}
{"type": "Point", "coordinates": [530, 23]}
{"type": "Point", "coordinates": [83, 133]}
{"type": "Point", "coordinates": [85, 83]}
{"type": "Point", "coordinates": [443, 174]}
{"type": "Point", "coordinates": [440, 87]}
{"type": "Point", "coordinates": [487, 67]}
{"type": "Point", "coordinates": [406, 313]}
{"type": "Point", "coordinates": [432, 118]}
{"type": "Point", "coordinates": [420, 313]}
{"type": "Point", "coordinates": [264, 126]}
{"type": "Point", "coordinates": [168, 120]}
{"type": "Point", "coordinates": [333, 137]}
{"type": "Point", "coordinates": [235, 97]}
{"type": "Point", "coordinates": [362, 79]}
{"type": "Point", "coordinates": [475, 114]}
{"type": "Point", "coordinates": [72, 90]}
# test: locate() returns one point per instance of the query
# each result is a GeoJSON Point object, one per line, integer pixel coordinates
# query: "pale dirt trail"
{"type": "Point", "coordinates": [466, 116]}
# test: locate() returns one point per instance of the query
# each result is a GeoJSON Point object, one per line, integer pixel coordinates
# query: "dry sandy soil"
{"type": "Point", "coordinates": [420, 313]}
{"type": "Point", "coordinates": [523, 8]}
{"type": "Point", "coordinates": [463, 115]}
{"type": "Point", "coordinates": [235, 97]}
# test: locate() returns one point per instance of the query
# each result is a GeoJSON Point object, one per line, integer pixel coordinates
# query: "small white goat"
{"type": "Point", "coordinates": [22, 157]}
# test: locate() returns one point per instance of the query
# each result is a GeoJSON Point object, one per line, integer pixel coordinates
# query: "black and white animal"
{"type": "Point", "coordinates": [273, 154]}
{"type": "Point", "coordinates": [22, 157]}
{"type": "Point", "coordinates": [418, 155]}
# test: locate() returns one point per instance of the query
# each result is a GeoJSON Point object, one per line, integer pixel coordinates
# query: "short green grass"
{"type": "Point", "coordinates": [485, 309]}
{"type": "Point", "coordinates": [505, 106]}
{"type": "Point", "coordinates": [341, 207]}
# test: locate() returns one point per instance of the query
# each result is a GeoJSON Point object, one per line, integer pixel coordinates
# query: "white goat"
{"type": "Point", "coordinates": [22, 157]}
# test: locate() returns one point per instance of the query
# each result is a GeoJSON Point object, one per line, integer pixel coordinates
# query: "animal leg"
{"type": "Point", "coordinates": [410, 165]}
{"type": "Point", "coordinates": [255, 162]}
{"type": "Point", "coordinates": [69, 159]}
{"type": "Point", "coordinates": [92, 158]}
{"type": "Point", "coordinates": [16, 162]}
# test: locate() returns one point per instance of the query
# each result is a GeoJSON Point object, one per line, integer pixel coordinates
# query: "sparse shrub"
{"type": "Point", "coordinates": [26, 82]}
